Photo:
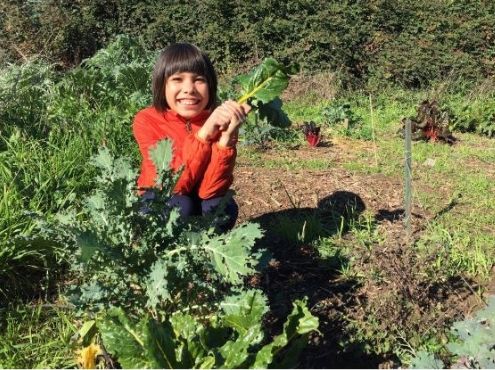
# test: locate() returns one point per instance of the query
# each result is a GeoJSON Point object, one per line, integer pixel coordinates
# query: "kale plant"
{"type": "Point", "coordinates": [138, 254]}
{"type": "Point", "coordinates": [165, 293]}
{"type": "Point", "coordinates": [340, 115]}
{"type": "Point", "coordinates": [475, 344]}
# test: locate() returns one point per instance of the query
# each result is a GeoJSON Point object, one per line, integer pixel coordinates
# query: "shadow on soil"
{"type": "Point", "coordinates": [297, 271]}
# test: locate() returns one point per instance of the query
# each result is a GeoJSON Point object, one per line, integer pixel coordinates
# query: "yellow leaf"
{"type": "Point", "coordinates": [86, 357]}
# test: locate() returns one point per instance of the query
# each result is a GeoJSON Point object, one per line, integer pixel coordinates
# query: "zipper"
{"type": "Point", "coordinates": [188, 126]}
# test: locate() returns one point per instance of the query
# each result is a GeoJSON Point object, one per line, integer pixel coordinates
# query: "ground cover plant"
{"type": "Point", "coordinates": [331, 217]}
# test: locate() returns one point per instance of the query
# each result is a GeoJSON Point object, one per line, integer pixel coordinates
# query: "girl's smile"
{"type": "Point", "coordinates": [187, 93]}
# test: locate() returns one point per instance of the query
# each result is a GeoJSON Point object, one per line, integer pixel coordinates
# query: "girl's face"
{"type": "Point", "coordinates": [187, 93]}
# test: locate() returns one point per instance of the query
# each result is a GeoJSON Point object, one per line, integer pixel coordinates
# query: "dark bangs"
{"type": "Point", "coordinates": [177, 58]}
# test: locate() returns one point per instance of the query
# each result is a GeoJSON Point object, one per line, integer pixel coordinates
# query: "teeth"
{"type": "Point", "coordinates": [188, 102]}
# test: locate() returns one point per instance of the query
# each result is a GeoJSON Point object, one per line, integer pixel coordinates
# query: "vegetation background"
{"type": "Point", "coordinates": [410, 43]}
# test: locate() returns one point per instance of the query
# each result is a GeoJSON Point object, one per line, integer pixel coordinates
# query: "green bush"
{"type": "Point", "coordinates": [399, 42]}
{"type": "Point", "coordinates": [476, 116]}
{"type": "Point", "coordinates": [50, 125]}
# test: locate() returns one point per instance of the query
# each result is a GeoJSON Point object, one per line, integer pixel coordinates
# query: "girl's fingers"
{"type": "Point", "coordinates": [236, 110]}
{"type": "Point", "coordinates": [230, 115]}
{"type": "Point", "coordinates": [246, 107]}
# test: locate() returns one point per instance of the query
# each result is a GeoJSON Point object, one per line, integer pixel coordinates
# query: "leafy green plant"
{"type": "Point", "coordinates": [264, 83]}
{"type": "Point", "coordinates": [267, 122]}
{"type": "Point", "coordinates": [126, 241]}
{"type": "Point", "coordinates": [232, 338]}
{"type": "Point", "coordinates": [261, 88]}
{"type": "Point", "coordinates": [476, 116]}
{"type": "Point", "coordinates": [474, 346]}
{"type": "Point", "coordinates": [425, 360]}
{"type": "Point", "coordinates": [156, 282]}
{"type": "Point", "coordinates": [340, 115]}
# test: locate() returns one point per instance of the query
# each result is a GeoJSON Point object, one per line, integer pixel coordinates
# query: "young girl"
{"type": "Point", "coordinates": [204, 135]}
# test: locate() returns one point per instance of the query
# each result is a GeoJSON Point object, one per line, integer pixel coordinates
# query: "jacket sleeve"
{"type": "Point", "coordinates": [196, 154]}
{"type": "Point", "coordinates": [219, 174]}
{"type": "Point", "coordinates": [145, 141]}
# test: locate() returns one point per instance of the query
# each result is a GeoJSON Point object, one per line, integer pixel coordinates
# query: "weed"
{"type": "Point", "coordinates": [364, 230]}
{"type": "Point", "coordinates": [295, 230]}
{"type": "Point", "coordinates": [454, 252]}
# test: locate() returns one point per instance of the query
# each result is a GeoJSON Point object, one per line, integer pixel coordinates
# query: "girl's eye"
{"type": "Point", "coordinates": [200, 79]}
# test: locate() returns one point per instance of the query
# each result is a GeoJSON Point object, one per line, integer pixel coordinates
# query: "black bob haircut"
{"type": "Point", "coordinates": [177, 58]}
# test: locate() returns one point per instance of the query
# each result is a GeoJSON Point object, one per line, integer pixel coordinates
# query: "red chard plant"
{"type": "Point", "coordinates": [312, 133]}
{"type": "Point", "coordinates": [431, 123]}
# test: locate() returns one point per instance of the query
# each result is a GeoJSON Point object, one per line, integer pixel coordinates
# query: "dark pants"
{"type": "Point", "coordinates": [194, 206]}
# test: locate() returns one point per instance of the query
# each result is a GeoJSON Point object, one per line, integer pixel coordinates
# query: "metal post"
{"type": "Point", "coordinates": [407, 179]}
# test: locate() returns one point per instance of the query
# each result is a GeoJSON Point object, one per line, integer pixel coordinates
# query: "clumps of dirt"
{"type": "Point", "coordinates": [400, 296]}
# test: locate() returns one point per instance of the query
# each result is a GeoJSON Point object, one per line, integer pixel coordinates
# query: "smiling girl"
{"type": "Point", "coordinates": [204, 135]}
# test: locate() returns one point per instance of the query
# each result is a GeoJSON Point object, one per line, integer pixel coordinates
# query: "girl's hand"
{"type": "Point", "coordinates": [230, 135]}
{"type": "Point", "coordinates": [226, 119]}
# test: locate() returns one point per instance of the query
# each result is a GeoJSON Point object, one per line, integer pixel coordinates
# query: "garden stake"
{"type": "Point", "coordinates": [373, 131]}
{"type": "Point", "coordinates": [407, 180]}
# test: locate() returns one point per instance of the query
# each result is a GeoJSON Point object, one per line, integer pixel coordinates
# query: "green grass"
{"type": "Point", "coordinates": [36, 337]}
{"type": "Point", "coordinates": [299, 111]}
{"type": "Point", "coordinates": [283, 159]}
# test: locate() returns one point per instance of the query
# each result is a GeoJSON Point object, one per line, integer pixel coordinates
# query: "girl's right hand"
{"type": "Point", "coordinates": [230, 113]}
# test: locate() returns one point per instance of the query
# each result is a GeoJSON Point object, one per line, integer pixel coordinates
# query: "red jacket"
{"type": "Point", "coordinates": [207, 167]}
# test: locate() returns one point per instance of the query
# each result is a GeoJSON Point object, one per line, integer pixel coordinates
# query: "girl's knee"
{"type": "Point", "coordinates": [184, 203]}
{"type": "Point", "coordinates": [230, 210]}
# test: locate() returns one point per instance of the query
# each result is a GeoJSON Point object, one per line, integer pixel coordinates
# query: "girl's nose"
{"type": "Point", "coordinates": [188, 86]}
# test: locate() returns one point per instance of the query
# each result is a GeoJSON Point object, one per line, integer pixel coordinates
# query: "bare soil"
{"type": "Point", "coordinates": [401, 299]}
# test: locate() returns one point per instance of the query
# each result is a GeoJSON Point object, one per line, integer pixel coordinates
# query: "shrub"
{"type": "Point", "coordinates": [401, 42]}
{"type": "Point", "coordinates": [476, 116]}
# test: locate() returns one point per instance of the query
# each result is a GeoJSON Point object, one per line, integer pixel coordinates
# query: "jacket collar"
{"type": "Point", "coordinates": [196, 120]}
